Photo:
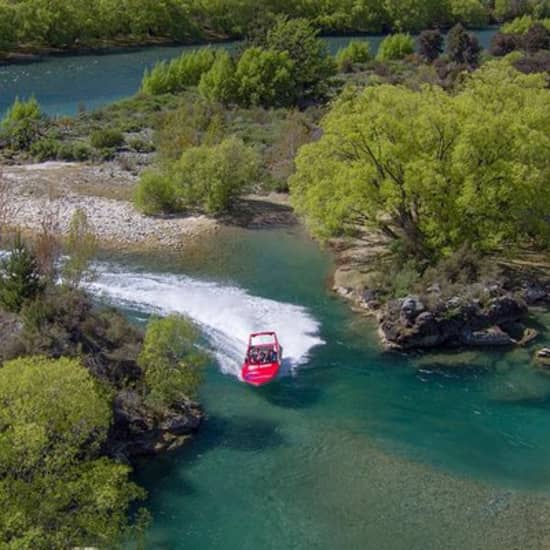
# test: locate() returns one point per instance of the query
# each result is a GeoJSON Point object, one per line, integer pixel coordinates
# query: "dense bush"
{"type": "Point", "coordinates": [171, 361]}
{"type": "Point", "coordinates": [356, 52]}
{"type": "Point", "coordinates": [430, 45]}
{"type": "Point", "coordinates": [20, 278]}
{"type": "Point", "coordinates": [463, 47]}
{"type": "Point", "coordinates": [219, 83]}
{"type": "Point", "coordinates": [178, 74]}
{"type": "Point", "coordinates": [156, 193]}
{"type": "Point", "coordinates": [106, 138]}
{"type": "Point", "coordinates": [536, 38]}
{"type": "Point", "coordinates": [266, 78]}
{"type": "Point", "coordinates": [20, 125]}
{"type": "Point", "coordinates": [428, 167]}
{"type": "Point", "coordinates": [56, 491]}
{"type": "Point", "coordinates": [212, 178]}
{"type": "Point", "coordinates": [395, 46]}
{"type": "Point", "coordinates": [503, 44]}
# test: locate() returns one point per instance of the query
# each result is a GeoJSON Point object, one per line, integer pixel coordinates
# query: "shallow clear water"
{"type": "Point", "coordinates": [354, 448]}
{"type": "Point", "coordinates": [61, 84]}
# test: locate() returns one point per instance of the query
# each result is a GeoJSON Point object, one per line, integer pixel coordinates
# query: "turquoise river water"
{"type": "Point", "coordinates": [62, 84]}
{"type": "Point", "coordinates": [352, 448]}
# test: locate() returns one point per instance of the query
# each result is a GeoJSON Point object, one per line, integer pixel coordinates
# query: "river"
{"type": "Point", "coordinates": [63, 84]}
{"type": "Point", "coordinates": [353, 448]}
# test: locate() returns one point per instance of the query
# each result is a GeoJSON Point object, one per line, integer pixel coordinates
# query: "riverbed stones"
{"type": "Point", "coordinates": [542, 358]}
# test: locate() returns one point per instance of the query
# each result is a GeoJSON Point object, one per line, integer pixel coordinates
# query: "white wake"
{"type": "Point", "coordinates": [226, 314]}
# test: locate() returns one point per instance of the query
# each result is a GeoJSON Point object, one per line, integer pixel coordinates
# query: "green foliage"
{"type": "Point", "coordinates": [81, 246]}
{"type": "Point", "coordinates": [171, 361]}
{"type": "Point", "coordinates": [430, 45]}
{"type": "Point", "coordinates": [395, 46]}
{"type": "Point", "coordinates": [178, 74]}
{"type": "Point", "coordinates": [219, 84]}
{"type": "Point", "coordinates": [20, 279]}
{"type": "Point", "coordinates": [212, 178]}
{"type": "Point", "coordinates": [20, 125]}
{"type": "Point", "coordinates": [107, 138]}
{"type": "Point", "coordinates": [266, 78]}
{"type": "Point", "coordinates": [463, 47]}
{"type": "Point", "coordinates": [312, 64]}
{"type": "Point", "coordinates": [356, 52]}
{"type": "Point", "coordinates": [472, 13]}
{"type": "Point", "coordinates": [430, 168]}
{"type": "Point", "coordinates": [156, 193]}
{"type": "Point", "coordinates": [55, 489]}
{"type": "Point", "coordinates": [521, 25]}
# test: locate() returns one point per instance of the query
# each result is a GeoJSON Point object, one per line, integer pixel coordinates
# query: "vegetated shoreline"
{"type": "Point", "coordinates": [50, 192]}
{"type": "Point", "coordinates": [500, 319]}
{"type": "Point", "coordinates": [33, 54]}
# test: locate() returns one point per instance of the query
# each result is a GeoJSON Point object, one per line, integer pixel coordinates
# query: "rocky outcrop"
{"type": "Point", "coordinates": [140, 430]}
{"type": "Point", "coordinates": [542, 358]}
{"type": "Point", "coordinates": [408, 324]}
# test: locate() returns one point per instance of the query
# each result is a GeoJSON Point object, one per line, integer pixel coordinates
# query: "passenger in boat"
{"type": "Point", "coordinates": [253, 356]}
{"type": "Point", "coordinates": [273, 356]}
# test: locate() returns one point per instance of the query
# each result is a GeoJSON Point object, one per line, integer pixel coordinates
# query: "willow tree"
{"type": "Point", "coordinates": [432, 169]}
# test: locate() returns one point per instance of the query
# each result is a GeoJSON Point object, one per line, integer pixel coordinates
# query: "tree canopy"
{"type": "Point", "coordinates": [432, 169]}
{"type": "Point", "coordinates": [55, 489]}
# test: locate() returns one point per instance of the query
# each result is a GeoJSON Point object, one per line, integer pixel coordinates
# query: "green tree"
{"type": "Point", "coordinates": [434, 170]}
{"type": "Point", "coordinates": [357, 51]}
{"type": "Point", "coordinates": [171, 361]}
{"type": "Point", "coordinates": [312, 64]}
{"type": "Point", "coordinates": [430, 45]}
{"type": "Point", "coordinates": [211, 178]}
{"type": "Point", "coordinates": [20, 279]}
{"type": "Point", "coordinates": [266, 78]}
{"type": "Point", "coordinates": [395, 46]}
{"type": "Point", "coordinates": [463, 47]}
{"type": "Point", "coordinates": [469, 12]}
{"type": "Point", "coordinates": [56, 491]}
{"type": "Point", "coordinates": [219, 83]}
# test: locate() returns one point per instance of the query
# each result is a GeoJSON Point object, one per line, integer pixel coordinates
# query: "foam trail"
{"type": "Point", "coordinates": [226, 314]}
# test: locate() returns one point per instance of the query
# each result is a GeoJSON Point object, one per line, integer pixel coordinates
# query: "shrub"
{"type": "Point", "coordinates": [178, 74]}
{"type": "Point", "coordinates": [45, 149]}
{"type": "Point", "coordinates": [20, 126]}
{"type": "Point", "coordinates": [155, 193]}
{"type": "Point", "coordinates": [171, 361]}
{"type": "Point", "coordinates": [56, 491]}
{"type": "Point", "coordinates": [140, 145]}
{"type": "Point", "coordinates": [395, 46]}
{"type": "Point", "coordinates": [74, 151]}
{"type": "Point", "coordinates": [520, 25]}
{"type": "Point", "coordinates": [20, 279]}
{"type": "Point", "coordinates": [219, 84]}
{"type": "Point", "coordinates": [430, 45]}
{"type": "Point", "coordinates": [536, 38]}
{"type": "Point", "coordinates": [356, 52]}
{"type": "Point", "coordinates": [81, 247]}
{"type": "Point", "coordinates": [108, 138]}
{"type": "Point", "coordinates": [211, 178]}
{"type": "Point", "coordinates": [266, 78]}
{"type": "Point", "coordinates": [503, 44]}
{"type": "Point", "coordinates": [463, 47]}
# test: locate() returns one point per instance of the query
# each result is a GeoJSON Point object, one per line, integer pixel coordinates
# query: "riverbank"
{"type": "Point", "coordinates": [48, 194]}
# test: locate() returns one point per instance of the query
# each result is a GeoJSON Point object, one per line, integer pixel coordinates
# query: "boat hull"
{"type": "Point", "coordinates": [260, 375]}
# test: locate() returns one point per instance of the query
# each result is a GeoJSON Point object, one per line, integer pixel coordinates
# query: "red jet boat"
{"type": "Point", "coordinates": [263, 359]}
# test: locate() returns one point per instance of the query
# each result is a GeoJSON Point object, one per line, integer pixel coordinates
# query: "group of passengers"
{"type": "Point", "coordinates": [261, 355]}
